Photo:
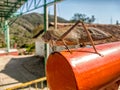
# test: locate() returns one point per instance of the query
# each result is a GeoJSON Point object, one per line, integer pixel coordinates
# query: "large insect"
{"type": "Point", "coordinates": [74, 36]}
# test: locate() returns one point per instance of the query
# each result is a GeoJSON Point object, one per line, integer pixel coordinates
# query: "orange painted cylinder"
{"type": "Point", "coordinates": [84, 69]}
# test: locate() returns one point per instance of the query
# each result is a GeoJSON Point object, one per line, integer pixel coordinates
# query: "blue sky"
{"type": "Point", "coordinates": [105, 11]}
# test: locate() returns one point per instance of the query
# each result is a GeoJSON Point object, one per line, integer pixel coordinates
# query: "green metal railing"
{"type": "Point", "coordinates": [33, 5]}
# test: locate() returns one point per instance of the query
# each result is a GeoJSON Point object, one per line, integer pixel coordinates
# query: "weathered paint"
{"type": "Point", "coordinates": [13, 52]}
{"type": "Point", "coordinates": [84, 69]}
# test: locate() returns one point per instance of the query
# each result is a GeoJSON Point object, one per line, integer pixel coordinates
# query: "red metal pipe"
{"type": "Point", "coordinates": [84, 69]}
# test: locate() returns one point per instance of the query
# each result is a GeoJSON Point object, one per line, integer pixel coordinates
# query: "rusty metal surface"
{"type": "Point", "coordinates": [83, 69]}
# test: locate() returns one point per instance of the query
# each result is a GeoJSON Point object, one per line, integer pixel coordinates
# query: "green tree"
{"type": "Point", "coordinates": [83, 17]}
{"type": "Point", "coordinates": [117, 22]}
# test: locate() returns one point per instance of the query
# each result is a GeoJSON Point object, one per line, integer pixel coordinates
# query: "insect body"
{"type": "Point", "coordinates": [74, 36]}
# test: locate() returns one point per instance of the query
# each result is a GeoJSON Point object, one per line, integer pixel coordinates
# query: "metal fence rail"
{"type": "Point", "coordinates": [29, 84]}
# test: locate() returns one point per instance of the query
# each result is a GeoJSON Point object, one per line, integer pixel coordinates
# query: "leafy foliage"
{"type": "Point", "coordinates": [2, 40]}
{"type": "Point", "coordinates": [83, 17]}
{"type": "Point", "coordinates": [30, 48]}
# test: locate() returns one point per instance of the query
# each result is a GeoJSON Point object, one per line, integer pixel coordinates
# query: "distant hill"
{"type": "Point", "coordinates": [21, 29]}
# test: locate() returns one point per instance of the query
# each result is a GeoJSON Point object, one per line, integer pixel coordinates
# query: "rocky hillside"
{"type": "Point", "coordinates": [21, 30]}
{"type": "Point", "coordinates": [114, 30]}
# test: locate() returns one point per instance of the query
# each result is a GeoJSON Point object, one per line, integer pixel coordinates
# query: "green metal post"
{"type": "Point", "coordinates": [45, 29]}
{"type": "Point", "coordinates": [7, 36]}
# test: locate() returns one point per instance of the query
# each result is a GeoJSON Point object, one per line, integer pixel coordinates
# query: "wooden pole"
{"type": "Point", "coordinates": [55, 16]}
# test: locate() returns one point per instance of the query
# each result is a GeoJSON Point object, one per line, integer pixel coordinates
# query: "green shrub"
{"type": "Point", "coordinates": [30, 48]}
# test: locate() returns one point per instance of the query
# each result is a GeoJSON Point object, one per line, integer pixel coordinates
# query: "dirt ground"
{"type": "Point", "coordinates": [20, 69]}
